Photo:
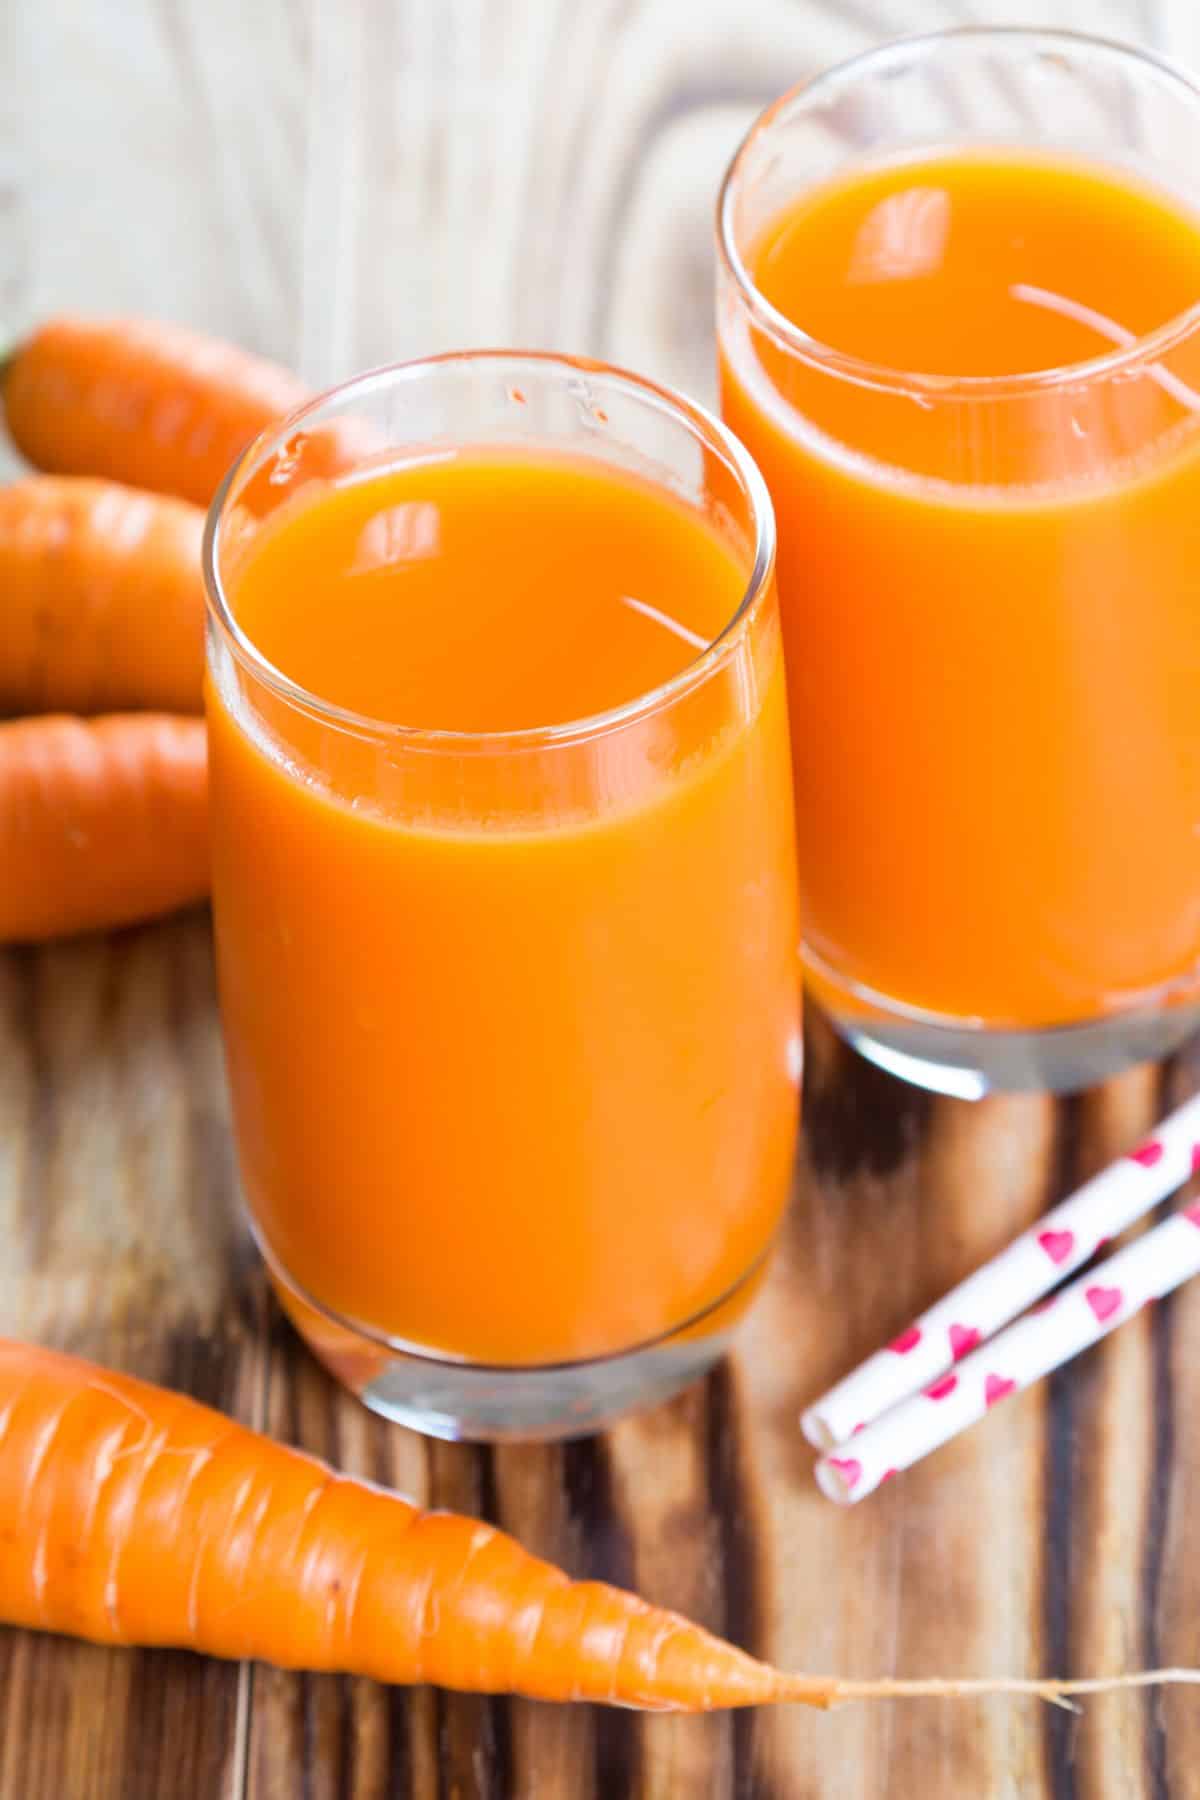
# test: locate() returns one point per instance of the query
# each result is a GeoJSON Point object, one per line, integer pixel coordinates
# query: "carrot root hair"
{"type": "Point", "coordinates": [836, 1692]}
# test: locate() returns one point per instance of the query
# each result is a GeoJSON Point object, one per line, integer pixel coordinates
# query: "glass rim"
{"type": "Point", "coordinates": [793, 338]}
{"type": "Point", "coordinates": [703, 425]}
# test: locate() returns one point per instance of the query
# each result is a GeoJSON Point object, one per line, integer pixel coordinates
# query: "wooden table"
{"type": "Point", "coordinates": [339, 184]}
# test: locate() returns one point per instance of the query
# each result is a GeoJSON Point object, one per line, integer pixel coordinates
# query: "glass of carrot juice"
{"type": "Point", "coordinates": [504, 889]}
{"type": "Point", "coordinates": [959, 317]}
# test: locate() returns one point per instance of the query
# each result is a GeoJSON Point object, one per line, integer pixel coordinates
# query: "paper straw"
{"type": "Point", "coordinates": [1084, 1312]}
{"type": "Point", "coordinates": [1053, 1248]}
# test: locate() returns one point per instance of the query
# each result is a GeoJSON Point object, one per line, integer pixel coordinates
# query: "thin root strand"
{"type": "Point", "coordinates": [1056, 1693]}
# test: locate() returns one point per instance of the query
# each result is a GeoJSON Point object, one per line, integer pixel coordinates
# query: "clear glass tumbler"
{"type": "Point", "coordinates": [989, 580]}
{"type": "Point", "coordinates": [511, 1018]}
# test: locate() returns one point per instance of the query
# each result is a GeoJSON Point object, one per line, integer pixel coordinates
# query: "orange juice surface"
{"type": "Point", "coordinates": [511, 1023]}
{"type": "Point", "coordinates": [990, 597]}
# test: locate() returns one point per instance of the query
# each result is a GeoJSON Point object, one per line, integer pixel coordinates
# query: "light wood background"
{"type": "Point", "coordinates": [341, 182]}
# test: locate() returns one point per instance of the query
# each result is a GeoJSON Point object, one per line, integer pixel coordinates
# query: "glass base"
{"type": "Point", "coordinates": [968, 1060]}
{"type": "Point", "coordinates": [493, 1404]}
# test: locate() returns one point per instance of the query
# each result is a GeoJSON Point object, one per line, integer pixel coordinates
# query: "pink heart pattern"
{"type": "Point", "coordinates": [1058, 1245]}
{"type": "Point", "coordinates": [849, 1468]}
{"type": "Point", "coordinates": [940, 1389]}
{"type": "Point", "coordinates": [963, 1339]}
{"type": "Point", "coordinates": [1196, 1159]}
{"type": "Point", "coordinates": [1147, 1154]}
{"type": "Point", "coordinates": [1192, 1213]}
{"type": "Point", "coordinates": [908, 1340]}
{"type": "Point", "coordinates": [997, 1388]}
{"type": "Point", "coordinates": [1104, 1301]}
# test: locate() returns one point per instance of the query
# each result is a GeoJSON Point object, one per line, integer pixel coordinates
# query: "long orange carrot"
{"type": "Point", "coordinates": [153, 405]}
{"type": "Point", "coordinates": [102, 822]}
{"type": "Point", "coordinates": [130, 1515]}
{"type": "Point", "coordinates": [101, 598]}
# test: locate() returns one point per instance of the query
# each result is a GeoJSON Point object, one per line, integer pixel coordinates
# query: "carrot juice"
{"type": "Point", "coordinates": [989, 519]}
{"type": "Point", "coordinates": [505, 898]}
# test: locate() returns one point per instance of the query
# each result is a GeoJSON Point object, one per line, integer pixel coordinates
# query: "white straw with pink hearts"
{"type": "Point", "coordinates": [1052, 1249]}
{"type": "Point", "coordinates": [1059, 1329]}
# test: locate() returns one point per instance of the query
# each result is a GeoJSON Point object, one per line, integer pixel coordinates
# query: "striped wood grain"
{"type": "Point", "coordinates": [347, 181]}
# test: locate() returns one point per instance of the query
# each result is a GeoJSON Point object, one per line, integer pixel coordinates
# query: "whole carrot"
{"type": "Point", "coordinates": [130, 1515]}
{"type": "Point", "coordinates": [150, 404]}
{"type": "Point", "coordinates": [101, 598]}
{"type": "Point", "coordinates": [102, 822]}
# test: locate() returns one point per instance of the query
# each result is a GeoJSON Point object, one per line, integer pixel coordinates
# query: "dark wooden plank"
{"type": "Point", "coordinates": [558, 1500]}
{"type": "Point", "coordinates": [1100, 1482]}
{"type": "Point", "coordinates": [1170, 1562]}
{"type": "Point", "coordinates": [123, 1243]}
{"type": "Point", "coordinates": [329, 1737]}
{"type": "Point", "coordinates": [674, 1473]}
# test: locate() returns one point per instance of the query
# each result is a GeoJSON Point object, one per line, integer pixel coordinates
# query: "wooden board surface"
{"type": "Point", "coordinates": [339, 183]}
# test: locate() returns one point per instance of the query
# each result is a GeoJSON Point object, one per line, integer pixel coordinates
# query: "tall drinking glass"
{"type": "Point", "coordinates": [959, 315]}
{"type": "Point", "coordinates": [509, 990]}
